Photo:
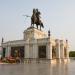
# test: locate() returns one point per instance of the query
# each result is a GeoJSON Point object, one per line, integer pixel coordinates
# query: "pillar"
{"type": "Point", "coordinates": [35, 49]}
{"type": "Point", "coordinates": [24, 51]}
{"type": "Point", "coordinates": [30, 50]}
{"type": "Point", "coordinates": [49, 49]}
{"type": "Point", "coordinates": [57, 48]}
{"type": "Point", "coordinates": [8, 51]}
{"type": "Point", "coordinates": [62, 49]}
{"type": "Point", "coordinates": [67, 49]}
{"type": "Point", "coordinates": [27, 51]}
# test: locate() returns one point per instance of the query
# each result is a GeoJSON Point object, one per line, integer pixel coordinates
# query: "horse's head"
{"type": "Point", "coordinates": [34, 11]}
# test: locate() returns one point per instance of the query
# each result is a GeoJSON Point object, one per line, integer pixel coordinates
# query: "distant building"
{"type": "Point", "coordinates": [36, 45]}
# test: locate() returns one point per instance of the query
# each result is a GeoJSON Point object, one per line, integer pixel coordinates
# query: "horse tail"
{"type": "Point", "coordinates": [42, 25]}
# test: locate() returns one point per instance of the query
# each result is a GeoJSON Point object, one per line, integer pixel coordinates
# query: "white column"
{"type": "Point", "coordinates": [49, 50]}
{"type": "Point", "coordinates": [67, 49]}
{"type": "Point", "coordinates": [61, 49]}
{"type": "Point", "coordinates": [27, 51]}
{"type": "Point", "coordinates": [1, 50]}
{"type": "Point", "coordinates": [27, 43]}
{"type": "Point", "coordinates": [31, 51]}
{"type": "Point", "coordinates": [8, 51]}
{"type": "Point", "coordinates": [57, 48]}
{"type": "Point", "coordinates": [35, 51]}
{"type": "Point", "coordinates": [24, 52]}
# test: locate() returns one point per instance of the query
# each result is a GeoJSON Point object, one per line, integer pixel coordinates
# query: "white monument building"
{"type": "Point", "coordinates": [36, 45]}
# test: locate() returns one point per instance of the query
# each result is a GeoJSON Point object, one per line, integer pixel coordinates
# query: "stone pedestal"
{"type": "Point", "coordinates": [31, 46]}
{"type": "Point", "coordinates": [33, 33]}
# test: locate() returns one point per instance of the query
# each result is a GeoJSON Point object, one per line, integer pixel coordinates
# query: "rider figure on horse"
{"type": "Point", "coordinates": [38, 15]}
{"type": "Point", "coordinates": [35, 19]}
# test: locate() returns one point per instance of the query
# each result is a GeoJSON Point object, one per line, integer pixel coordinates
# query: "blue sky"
{"type": "Point", "coordinates": [58, 15]}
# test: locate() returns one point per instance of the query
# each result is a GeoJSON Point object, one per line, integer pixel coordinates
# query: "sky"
{"type": "Point", "coordinates": [57, 15]}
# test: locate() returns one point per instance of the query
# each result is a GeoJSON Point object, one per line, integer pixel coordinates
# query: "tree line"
{"type": "Point", "coordinates": [72, 54]}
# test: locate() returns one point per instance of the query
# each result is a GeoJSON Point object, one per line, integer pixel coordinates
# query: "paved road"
{"type": "Point", "coordinates": [38, 69]}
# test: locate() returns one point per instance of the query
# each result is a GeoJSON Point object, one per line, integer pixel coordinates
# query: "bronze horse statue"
{"type": "Point", "coordinates": [35, 19]}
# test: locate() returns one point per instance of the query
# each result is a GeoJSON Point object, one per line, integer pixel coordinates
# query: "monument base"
{"type": "Point", "coordinates": [50, 61]}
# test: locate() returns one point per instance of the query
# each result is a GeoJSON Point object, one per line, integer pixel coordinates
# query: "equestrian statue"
{"type": "Point", "coordinates": [35, 19]}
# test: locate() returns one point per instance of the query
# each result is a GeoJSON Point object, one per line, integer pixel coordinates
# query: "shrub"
{"type": "Point", "coordinates": [72, 54]}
